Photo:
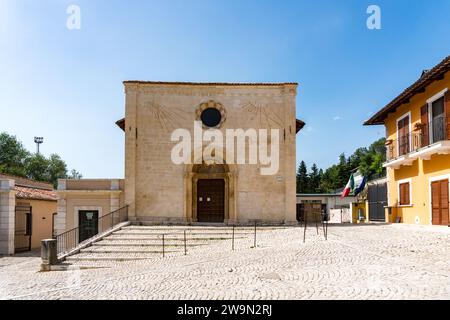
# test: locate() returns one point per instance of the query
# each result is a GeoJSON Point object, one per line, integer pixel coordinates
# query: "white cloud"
{"type": "Point", "coordinates": [337, 118]}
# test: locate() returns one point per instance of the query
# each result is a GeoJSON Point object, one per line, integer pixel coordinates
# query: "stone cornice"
{"type": "Point", "coordinates": [211, 89]}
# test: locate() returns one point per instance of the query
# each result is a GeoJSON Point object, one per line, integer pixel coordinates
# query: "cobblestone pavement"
{"type": "Point", "coordinates": [357, 262]}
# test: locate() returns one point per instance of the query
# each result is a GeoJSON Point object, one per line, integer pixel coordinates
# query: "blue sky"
{"type": "Point", "coordinates": [66, 85]}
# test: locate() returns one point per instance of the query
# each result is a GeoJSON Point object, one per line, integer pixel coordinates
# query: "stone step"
{"type": "Point", "coordinates": [128, 250]}
{"type": "Point", "coordinates": [171, 237]}
{"type": "Point", "coordinates": [146, 243]}
{"type": "Point", "coordinates": [189, 233]}
{"type": "Point", "coordinates": [113, 256]}
{"type": "Point", "coordinates": [199, 228]}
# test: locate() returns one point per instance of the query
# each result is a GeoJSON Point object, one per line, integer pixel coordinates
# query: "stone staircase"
{"type": "Point", "coordinates": [133, 243]}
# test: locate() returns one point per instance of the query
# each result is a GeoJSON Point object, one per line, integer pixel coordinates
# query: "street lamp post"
{"type": "Point", "coordinates": [38, 141]}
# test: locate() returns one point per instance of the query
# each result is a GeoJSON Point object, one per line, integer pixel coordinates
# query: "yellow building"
{"type": "Point", "coordinates": [27, 212]}
{"type": "Point", "coordinates": [418, 149]}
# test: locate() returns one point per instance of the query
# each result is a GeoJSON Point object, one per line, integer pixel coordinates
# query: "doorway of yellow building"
{"type": "Point", "coordinates": [440, 202]}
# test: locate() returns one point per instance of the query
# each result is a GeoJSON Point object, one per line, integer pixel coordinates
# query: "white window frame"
{"type": "Point", "coordinates": [408, 114]}
{"type": "Point", "coordinates": [410, 204]}
{"type": "Point", "coordinates": [430, 199]}
{"type": "Point", "coordinates": [430, 101]}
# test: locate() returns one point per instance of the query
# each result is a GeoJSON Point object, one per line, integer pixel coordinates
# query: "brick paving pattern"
{"type": "Point", "coordinates": [357, 262]}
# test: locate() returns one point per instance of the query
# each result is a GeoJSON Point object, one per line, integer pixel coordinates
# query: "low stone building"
{"type": "Point", "coordinates": [27, 211]}
{"type": "Point", "coordinates": [80, 198]}
{"type": "Point", "coordinates": [177, 168]}
{"type": "Point", "coordinates": [317, 204]}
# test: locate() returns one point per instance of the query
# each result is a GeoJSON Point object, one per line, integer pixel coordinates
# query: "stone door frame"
{"type": "Point", "coordinates": [191, 179]}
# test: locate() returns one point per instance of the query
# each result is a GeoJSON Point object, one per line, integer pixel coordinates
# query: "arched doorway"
{"type": "Point", "coordinates": [212, 192]}
{"type": "Point", "coordinates": [210, 189]}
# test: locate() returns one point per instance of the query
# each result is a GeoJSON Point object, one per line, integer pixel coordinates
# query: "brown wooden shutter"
{"type": "Point", "coordinates": [425, 131]}
{"type": "Point", "coordinates": [404, 193]}
{"type": "Point", "coordinates": [444, 203]}
{"type": "Point", "coordinates": [403, 133]}
{"type": "Point", "coordinates": [407, 199]}
{"type": "Point", "coordinates": [435, 203]}
{"type": "Point", "coordinates": [447, 111]}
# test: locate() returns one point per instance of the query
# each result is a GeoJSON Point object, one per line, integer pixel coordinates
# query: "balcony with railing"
{"type": "Point", "coordinates": [422, 143]}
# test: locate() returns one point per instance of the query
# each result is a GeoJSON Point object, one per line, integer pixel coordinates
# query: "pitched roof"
{"type": "Point", "coordinates": [35, 194]}
{"type": "Point", "coordinates": [299, 124]}
{"type": "Point", "coordinates": [30, 189]}
{"type": "Point", "coordinates": [428, 77]}
{"type": "Point", "coordinates": [121, 123]}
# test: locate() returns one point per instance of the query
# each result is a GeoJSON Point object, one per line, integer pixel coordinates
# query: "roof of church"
{"type": "Point", "coordinates": [427, 77]}
{"type": "Point", "coordinates": [264, 84]}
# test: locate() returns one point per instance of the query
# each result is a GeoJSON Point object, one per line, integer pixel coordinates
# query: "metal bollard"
{"type": "Point", "coordinates": [254, 240]}
{"type": "Point", "coordinates": [232, 240]}
{"type": "Point", "coordinates": [304, 230]}
{"type": "Point", "coordinates": [163, 245]}
{"type": "Point", "coordinates": [185, 249]}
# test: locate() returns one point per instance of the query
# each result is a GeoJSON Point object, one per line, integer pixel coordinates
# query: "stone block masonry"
{"type": "Point", "coordinates": [7, 216]}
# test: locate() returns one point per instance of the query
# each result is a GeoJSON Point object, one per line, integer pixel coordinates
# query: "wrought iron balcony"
{"type": "Point", "coordinates": [423, 142]}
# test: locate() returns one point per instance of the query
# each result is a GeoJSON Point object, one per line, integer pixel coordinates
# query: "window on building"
{"type": "Point", "coordinates": [404, 193]}
{"type": "Point", "coordinates": [438, 122]}
{"type": "Point", "coordinates": [211, 117]}
{"type": "Point", "coordinates": [403, 135]}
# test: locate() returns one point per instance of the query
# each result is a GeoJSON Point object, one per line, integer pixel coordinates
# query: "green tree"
{"type": "Point", "coordinates": [369, 161]}
{"type": "Point", "coordinates": [12, 155]}
{"type": "Point", "coordinates": [330, 180]}
{"type": "Point", "coordinates": [302, 178]}
{"type": "Point", "coordinates": [57, 169]}
{"type": "Point", "coordinates": [344, 170]}
{"type": "Point", "coordinates": [354, 161]}
{"type": "Point", "coordinates": [36, 168]}
{"type": "Point", "coordinates": [16, 160]}
{"type": "Point", "coordinates": [74, 174]}
{"type": "Point", "coordinates": [372, 162]}
{"type": "Point", "coordinates": [314, 180]}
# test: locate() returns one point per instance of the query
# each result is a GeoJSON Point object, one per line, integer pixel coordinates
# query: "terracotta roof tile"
{"type": "Point", "coordinates": [35, 194]}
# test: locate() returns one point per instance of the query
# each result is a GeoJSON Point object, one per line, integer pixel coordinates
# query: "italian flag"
{"type": "Point", "coordinates": [349, 187]}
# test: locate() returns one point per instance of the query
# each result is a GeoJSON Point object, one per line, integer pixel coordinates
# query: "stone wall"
{"type": "Point", "coordinates": [104, 195]}
{"type": "Point", "coordinates": [157, 189]}
{"type": "Point", "coordinates": [7, 216]}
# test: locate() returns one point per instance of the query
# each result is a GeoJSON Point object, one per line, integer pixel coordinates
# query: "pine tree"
{"type": "Point", "coordinates": [302, 178]}
{"type": "Point", "coordinates": [314, 180]}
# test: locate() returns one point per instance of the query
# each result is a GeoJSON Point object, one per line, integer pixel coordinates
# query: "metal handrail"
{"type": "Point", "coordinates": [69, 239]}
{"type": "Point", "coordinates": [414, 140]}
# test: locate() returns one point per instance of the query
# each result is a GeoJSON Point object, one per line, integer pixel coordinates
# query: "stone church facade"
{"type": "Point", "coordinates": [157, 189]}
